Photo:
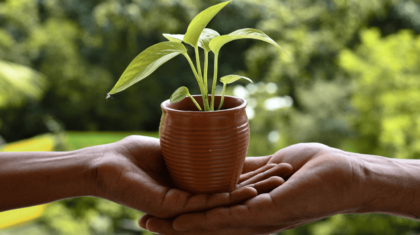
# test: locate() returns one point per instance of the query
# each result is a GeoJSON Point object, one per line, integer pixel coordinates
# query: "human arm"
{"type": "Point", "coordinates": [130, 172]}
{"type": "Point", "coordinates": [326, 182]}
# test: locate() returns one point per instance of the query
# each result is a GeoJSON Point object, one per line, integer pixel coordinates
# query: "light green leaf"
{"type": "Point", "coordinates": [146, 63]}
{"type": "Point", "coordinates": [228, 79]}
{"type": "Point", "coordinates": [218, 42]}
{"type": "Point", "coordinates": [174, 37]}
{"type": "Point", "coordinates": [179, 94]}
{"type": "Point", "coordinates": [206, 36]}
{"type": "Point", "coordinates": [199, 23]}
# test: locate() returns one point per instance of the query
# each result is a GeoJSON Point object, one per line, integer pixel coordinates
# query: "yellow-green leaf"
{"type": "Point", "coordinates": [199, 22]}
{"type": "Point", "coordinates": [218, 42]}
{"type": "Point", "coordinates": [174, 37]}
{"type": "Point", "coordinates": [179, 94]}
{"type": "Point", "coordinates": [146, 63]}
{"type": "Point", "coordinates": [228, 79]}
{"type": "Point", "coordinates": [206, 36]}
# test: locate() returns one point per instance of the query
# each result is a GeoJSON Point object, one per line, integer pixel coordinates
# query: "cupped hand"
{"type": "Point", "coordinates": [326, 181]}
{"type": "Point", "coordinates": [132, 172]}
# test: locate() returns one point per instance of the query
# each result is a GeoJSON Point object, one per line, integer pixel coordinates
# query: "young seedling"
{"type": "Point", "coordinates": [228, 80]}
{"type": "Point", "coordinates": [180, 94]}
{"type": "Point", "coordinates": [196, 36]}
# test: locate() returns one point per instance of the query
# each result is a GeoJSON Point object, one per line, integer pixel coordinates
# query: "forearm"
{"type": "Point", "coordinates": [393, 186]}
{"type": "Point", "coordinates": [33, 178]}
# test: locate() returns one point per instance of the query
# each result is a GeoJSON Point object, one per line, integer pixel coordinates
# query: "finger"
{"type": "Point", "coordinates": [164, 226]}
{"type": "Point", "coordinates": [269, 184]}
{"type": "Point", "coordinates": [251, 174]}
{"type": "Point", "coordinates": [143, 220]}
{"type": "Point", "coordinates": [255, 212]}
{"type": "Point", "coordinates": [253, 163]}
{"type": "Point", "coordinates": [282, 170]}
{"type": "Point", "coordinates": [180, 204]}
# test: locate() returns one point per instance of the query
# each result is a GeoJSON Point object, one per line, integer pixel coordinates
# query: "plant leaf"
{"type": "Point", "coordinates": [228, 79]}
{"type": "Point", "coordinates": [179, 94]}
{"type": "Point", "coordinates": [218, 42]}
{"type": "Point", "coordinates": [146, 63]}
{"type": "Point", "coordinates": [206, 36]}
{"type": "Point", "coordinates": [200, 21]}
{"type": "Point", "coordinates": [174, 37]}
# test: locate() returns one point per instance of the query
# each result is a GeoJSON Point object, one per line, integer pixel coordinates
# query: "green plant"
{"type": "Point", "coordinates": [197, 36]}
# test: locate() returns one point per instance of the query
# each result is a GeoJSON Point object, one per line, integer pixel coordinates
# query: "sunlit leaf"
{"type": "Point", "coordinates": [174, 37]}
{"type": "Point", "coordinates": [218, 42]}
{"type": "Point", "coordinates": [206, 36]}
{"type": "Point", "coordinates": [228, 79]}
{"type": "Point", "coordinates": [19, 83]}
{"type": "Point", "coordinates": [179, 94]}
{"type": "Point", "coordinates": [146, 63]}
{"type": "Point", "coordinates": [199, 23]}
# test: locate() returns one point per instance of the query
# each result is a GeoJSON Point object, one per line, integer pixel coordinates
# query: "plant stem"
{"type": "Point", "coordinates": [197, 60]}
{"type": "Point", "coordinates": [223, 96]}
{"type": "Point", "coordinates": [205, 96]}
{"type": "Point", "coordinates": [200, 82]}
{"type": "Point", "coordinates": [195, 102]}
{"type": "Point", "coordinates": [213, 88]}
{"type": "Point", "coordinates": [206, 62]}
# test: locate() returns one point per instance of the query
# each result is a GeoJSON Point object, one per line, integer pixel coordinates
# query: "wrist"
{"type": "Point", "coordinates": [92, 159]}
{"type": "Point", "coordinates": [392, 186]}
{"type": "Point", "coordinates": [33, 178]}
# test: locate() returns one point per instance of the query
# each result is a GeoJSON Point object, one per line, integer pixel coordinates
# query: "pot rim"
{"type": "Point", "coordinates": [163, 105]}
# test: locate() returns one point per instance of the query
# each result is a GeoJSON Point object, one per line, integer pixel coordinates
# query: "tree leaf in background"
{"type": "Point", "coordinates": [206, 36]}
{"type": "Point", "coordinates": [228, 79]}
{"type": "Point", "coordinates": [179, 94]}
{"type": "Point", "coordinates": [19, 83]}
{"type": "Point", "coordinates": [146, 63]}
{"type": "Point", "coordinates": [174, 37]}
{"type": "Point", "coordinates": [199, 22]}
{"type": "Point", "coordinates": [247, 33]}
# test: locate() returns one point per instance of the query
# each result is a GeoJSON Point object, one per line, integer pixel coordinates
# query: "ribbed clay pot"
{"type": "Point", "coordinates": [204, 151]}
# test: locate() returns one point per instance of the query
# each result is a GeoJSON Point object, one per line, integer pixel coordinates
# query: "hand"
{"type": "Point", "coordinates": [132, 172]}
{"type": "Point", "coordinates": [326, 181]}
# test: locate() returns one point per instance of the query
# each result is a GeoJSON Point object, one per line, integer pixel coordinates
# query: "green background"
{"type": "Point", "coordinates": [352, 82]}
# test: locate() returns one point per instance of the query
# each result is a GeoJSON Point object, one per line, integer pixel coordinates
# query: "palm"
{"type": "Point", "coordinates": [132, 172]}
{"type": "Point", "coordinates": [320, 187]}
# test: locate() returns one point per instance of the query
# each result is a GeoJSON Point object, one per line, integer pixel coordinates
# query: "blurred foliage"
{"type": "Point", "coordinates": [78, 140]}
{"type": "Point", "coordinates": [352, 82]}
{"type": "Point", "coordinates": [38, 143]}
{"type": "Point", "coordinates": [19, 83]}
{"type": "Point", "coordinates": [385, 73]}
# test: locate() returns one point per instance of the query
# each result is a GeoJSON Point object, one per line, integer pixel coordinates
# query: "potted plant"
{"type": "Point", "coordinates": [204, 138]}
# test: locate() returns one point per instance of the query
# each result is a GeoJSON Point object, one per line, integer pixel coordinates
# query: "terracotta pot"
{"type": "Point", "coordinates": [204, 151]}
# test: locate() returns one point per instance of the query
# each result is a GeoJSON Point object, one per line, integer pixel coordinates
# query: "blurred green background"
{"type": "Point", "coordinates": [353, 83]}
